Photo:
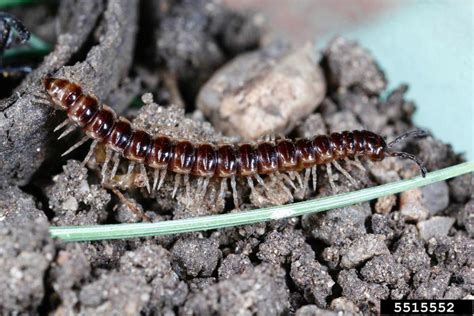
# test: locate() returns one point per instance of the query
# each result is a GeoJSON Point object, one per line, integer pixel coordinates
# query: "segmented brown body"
{"type": "Point", "coordinates": [248, 160]}
{"type": "Point", "coordinates": [207, 160]}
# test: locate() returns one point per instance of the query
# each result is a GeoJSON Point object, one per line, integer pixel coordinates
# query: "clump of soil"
{"type": "Point", "coordinates": [418, 244]}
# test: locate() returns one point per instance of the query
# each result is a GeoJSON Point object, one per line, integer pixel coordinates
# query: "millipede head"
{"type": "Point", "coordinates": [62, 92]}
{"type": "Point", "coordinates": [403, 155]}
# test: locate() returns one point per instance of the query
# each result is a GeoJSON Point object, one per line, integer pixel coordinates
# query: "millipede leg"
{"type": "Point", "coordinates": [177, 180]}
{"type": "Point", "coordinates": [295, 174]}
{"type": "Point", "coordinates": [345, 173]}
{"type": "Point", "coordinates": [73, 147]}
{"type": "Point", "coordinates": [265, 188]}
{"type": "Point", "coordinates": [223, 189]}
{"type": "Point", "coordinates": [67, 131]}
{"type": "Point", "coordinates": [199, 186]}
{"type": "Point", "coordinates": [108, 155]}
{"type": "Point", "coordinates": [287, 179]}
{"type": "Point", "coordinates": [251, 186]}
{"type": "Point", "coordinates": [162, 178]}
{"type": "Point", "coordinates": [91, 151]}
{"type": "Point", "coordinates": [330, 177]}
{"type": "Point", "coordinates": [156, 175]}
{"type": "Point", "coordinates": [233, 184]}
{"type": "Point", "coordinates": [60, 126]}
{"type": "Point", "coordinates": [126, 180]}
{"type": "Point", "coordinates": [145, 175]}
{"type": "Point", "coordinates": [204, 187]}
{"type": "Point", "coordinates": [307, 173]}
{"type": "Point", "coordinates": [356, 162]}
{"type": "Point", "coordinates": [314, 173]}
{"type": "Point", "coordinates": [188, 189]}
{"type": "Point", "coordinates": [116, 160]}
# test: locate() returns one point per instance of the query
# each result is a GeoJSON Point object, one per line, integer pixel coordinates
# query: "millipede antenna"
{"type": "Point", "coordinates": [409, 134]}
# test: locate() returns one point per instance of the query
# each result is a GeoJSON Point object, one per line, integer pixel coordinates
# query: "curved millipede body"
{"type": "Point", "coordinates": [284, 158]}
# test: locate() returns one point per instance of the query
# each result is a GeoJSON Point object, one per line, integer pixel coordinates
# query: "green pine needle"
{"type": "Point", "coordinates": [119, 231]}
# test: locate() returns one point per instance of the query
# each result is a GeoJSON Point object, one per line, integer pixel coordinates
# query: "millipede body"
{"type": "Point", "coordinates": [163, 154]}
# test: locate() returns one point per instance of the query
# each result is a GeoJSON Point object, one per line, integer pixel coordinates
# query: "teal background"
{"type": "Point", "coordinates": [429, 45]}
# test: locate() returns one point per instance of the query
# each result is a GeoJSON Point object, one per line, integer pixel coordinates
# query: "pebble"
{"type": "Point", "coordinates": [256, 94]}
{"type": "Point", "coordinates": [362, 249]}
{"type": "Point", "coordinates": [351, 65]}
{"type": "Point", "coordinates": [435, 197]}
{"type": "Point", "coordinates": [437, 226]}
{"type": "Point", "coordinates": [385, 204]}
{"type": "Point", "coordinates": [411, 205]}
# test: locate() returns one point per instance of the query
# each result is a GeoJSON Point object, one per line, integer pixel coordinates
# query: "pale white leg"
{"type": "Point", "coordinates": [204, 187]}
{"type": "Point", "coordinates": [145, 175]}
{"type": "Point", "coordinates": [330, 177]}
{"type": "Point", "coordinates": [108, 155]}
{"type": "Point", "coordinates": [307, 173]}
{"type": "Point", "coordinates": [73, 147]}
{"type": "Point", "coordinates": [156, 175]}
{"type": "Point", "coordinates": [287, 179]}
{"type": "Point", "coordinates": [200, 180]}
{"type": "Point", "coordinates": [233, 184]}
{"type": "Point", "coordinates": [162, 178]}
{"type": "Point", "coordinates": [186, 185]}
{"type": "Point", "coordinates": [126, 180]}
{"type": "Point", "coordinates": [250, 184]}
{"type": "Point", "coordinates": [315, 177]}
{"type": "Point", "coordinates": [345, 173]}
{"type": "Point", "coordinates": [296, 174]}
{"type": "Point", "coordinates": [356, 162]}
{"type": "Point", "coordinates": [67, 131]}
{"type": "Point", "coordinates": [116, 160]}
{"type": "Point", "coordinates": [265, 188]}
{"type": "Point", "coordinates": [222, 189]}
{"type": "Point", "coordinates": [177, 180]}
{"type": "Point", "coordinates": [91, 151]}
{"type": "Point", "coordinates": [61, 125]}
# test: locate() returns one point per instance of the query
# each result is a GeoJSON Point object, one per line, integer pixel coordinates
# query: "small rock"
{"type": "Point", "coordinates": [363, 248]}
{"type": "Point", "coordinates": [335, 226]}
{"type": "Point", "coordinates": [311, 310]}
{"type": "Point", "coordinates": [385, 204]}
{"type": "Point", "coordinates": [410, 251]}
{"type": "Point", "coordinates": [384, 269]}
{"type": "Point", "coordinates": [437, 226]}
{"type": "Point", "coordinates": [461, 188]}
{"type": "Point", "coordinates": [257, 94]}
{"type": "Point", "coordinates": [435, 197]}
{"type": "Point", "coordinates": [114, 294]}
{"type": "Point", "coordinates": [454, 252]}
{"type": "Point", "coordinates": [359, 291]}
{"type": "Point", "coordinates": [350, 65]}
{"type": "Point", "coordinates": [73, 200]}
{"type": "Point", "coordinates": [261, 291]}
{"type": "Point", "coordinates": [195, 256]}
{"type": "Point", "coordinates": [466, 217]}
{"type": "Point", "coordinates": [430, 284]}
{"type": "Point", "coordinates": [278, 246]}
{"type": "Point", "coordinates": [411, 205]}
{"type": "Point", "coordinates": [233, 264]}
{"type": "Point", "coordinates": [342, 304]}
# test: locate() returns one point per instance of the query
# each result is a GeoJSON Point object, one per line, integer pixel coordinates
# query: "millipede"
{"type": "Point", "coordinates": [285, 160]}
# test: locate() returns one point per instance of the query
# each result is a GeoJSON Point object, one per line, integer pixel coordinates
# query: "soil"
{"type": "Point", "coordinates": [418, 244]}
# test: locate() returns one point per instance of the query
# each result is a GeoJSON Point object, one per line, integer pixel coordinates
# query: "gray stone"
{"type": "Point", "coordinates": [258, 94]}
{"type": "Point", "coordinates": [437, 226]}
